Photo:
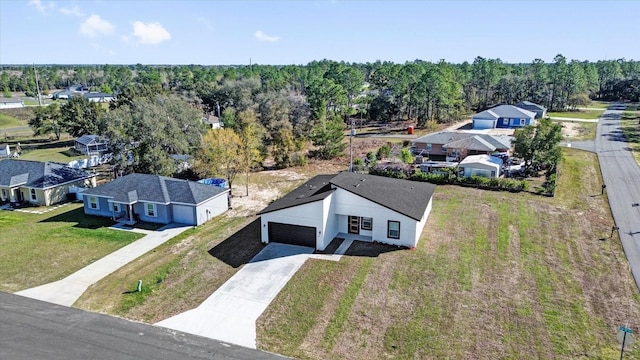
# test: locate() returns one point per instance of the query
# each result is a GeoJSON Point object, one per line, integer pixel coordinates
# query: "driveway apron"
{"type": "Point", "coordinates": [230, 313]}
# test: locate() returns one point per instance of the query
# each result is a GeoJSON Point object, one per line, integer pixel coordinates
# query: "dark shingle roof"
{"type": "Point", "coordinates": [154, 188]}
{"type": "Point", "coordinates": [529, 105]}
{"type": "Point", "coordinates": [317, 188]}
{"type": "Point", "coordinates": [406, 197]}
{"type": "Point", "coordinates": [38, 174]}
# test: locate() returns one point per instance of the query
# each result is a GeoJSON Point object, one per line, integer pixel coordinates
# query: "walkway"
{"type": "Point", "coordinates": [68, 290]}
{"type": "Point", "coordinates": [621, 174]}
{"type": "Point", "coordinates": [230, 313]}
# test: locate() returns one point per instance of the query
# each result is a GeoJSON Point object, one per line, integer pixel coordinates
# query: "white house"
{"type": "Point", "coordinates": [9, 103]}
{"type": "Point", "coordinates": [365, 207]}
{"type": "Point", "coordinates": [480, 165]}
{"type": "Point", "coordinates": [503, 116]}
{"type": "Point", "coordinates": [5, 150]}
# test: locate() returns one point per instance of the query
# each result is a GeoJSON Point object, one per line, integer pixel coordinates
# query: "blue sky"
{"type": "Point", "coordinates": [297, 32]}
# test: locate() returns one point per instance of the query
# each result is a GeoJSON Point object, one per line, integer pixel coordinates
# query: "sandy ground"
{"type": "Point", "coordinates": [570, 129]}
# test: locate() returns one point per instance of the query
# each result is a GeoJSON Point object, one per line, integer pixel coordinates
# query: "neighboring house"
{"type": "Point", "coordinates": [5, 150]}
{"type": "Point", "coordinates": [99, 97]}
{"type": "Point", "coordinates": [91, 145]}
{"type": "Point", "coordinates": [9, 103]}
{"type": "Point", "coordinates": [66, 94]}
{"type": "Point", "coordinates": [212, 121]}
{"type": "Point", "coordinates": [540, 110]}
{"type": "Point", "coordinates": [503, 116]}
{"type": "Point", "coordinates": [156, 199]}
{"type": "Point", "coordinates": [480, 165]}
{"type": "Point", "coordinates": [39, 183]}
{"type": "Point", "coordinates": [366, 207]}
{"type": "Point", "coordinates": [455, 146]}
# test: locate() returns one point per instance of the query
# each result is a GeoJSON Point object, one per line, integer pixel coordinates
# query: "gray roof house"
{"type": "Point", "coordinates": [455, 146]}
{"type": "Point", "coordinates": [157, 199]}
{"type": "Point", "coordinates": [96, 96]}
{"type": "Point", "coordinates": [350, 206]}
{"type": "Point", "coordinates": [212, 121]}
{"type": "Point", "coordinates": [39, 183]}
{"type": "Point", "coordinates": [503, 116]}
{"type": "Point", "coordinates": [540, 110]}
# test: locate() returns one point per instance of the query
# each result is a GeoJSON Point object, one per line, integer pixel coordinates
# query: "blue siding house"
{"type": "Point", "coordinates": [157, 199]}
{"type": "Point", "coordinates": [503, 116]}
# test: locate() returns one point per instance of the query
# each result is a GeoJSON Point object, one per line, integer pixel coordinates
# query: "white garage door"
{"type": "Point", "coordinates": [483, 124]}
{"type": "Point", "coordinates": [184, 214]}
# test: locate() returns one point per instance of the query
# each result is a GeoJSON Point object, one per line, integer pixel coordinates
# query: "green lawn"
{"type": "Point", "coordinates": [40, 248]}
{"type": "Point", "coordinates": [7, 121]}
{"type": "Point", "coordinates": [63, 154]}
{"type": "Point", "coordinates": [599, 104]}
{"type": "Point", "coordinates": [495, 275]}
{"type": "Point", "coordinates": [581, 114]}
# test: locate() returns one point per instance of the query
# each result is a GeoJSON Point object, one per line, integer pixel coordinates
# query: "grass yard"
{"type": "Point", "coordinates": [599, 104]}
{"type": "Point", "coordinates": [7, 121]}
{"type": "Point", "coordinates": [178, 275]}
{"type": "Point", "coordinates": [41, 248]}
{"type": "Point", "coordinates": [581, 114]}
{"type": "Point", "coordinates": [61, 154]}
{"type": "Point", "coordinates": [495, 275]}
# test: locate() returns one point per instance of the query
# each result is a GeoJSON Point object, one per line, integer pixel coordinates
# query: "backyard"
{"type": "Point", "coordinates": [496, 275]}
{"type": "Point", "coordinates": [578, 114]}
{"type": "Point", "coordinates": [41, 248]}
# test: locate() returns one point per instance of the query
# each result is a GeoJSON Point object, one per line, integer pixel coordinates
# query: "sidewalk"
{"type": "Point", "coordinates": [68, 290]}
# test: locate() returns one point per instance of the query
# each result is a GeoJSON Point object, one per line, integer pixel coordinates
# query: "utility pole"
{"type": "Point", "coordinates": [37, 86]}
{"type": "Point", "coordinates": [351, 135]}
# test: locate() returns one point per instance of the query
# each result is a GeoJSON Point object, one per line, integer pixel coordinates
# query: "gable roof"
{"type": "Point", "coordinates": [505, 111]}
{"type": "Point", "coordinates": [458, 140]}
{"type": "Point", "coordinates": [409, 198]}
{"type": "Point", "coordinates": [155, 188]}
{"type": "Point", "coordinates": [38, 174]}
{"type": "Point", "coordinates": [317, 188]}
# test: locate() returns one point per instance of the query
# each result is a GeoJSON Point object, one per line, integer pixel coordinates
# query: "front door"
{"type": "Point", "coordinates": [18, 195]}
{"type": "Point", "coordinates": [354, 225]}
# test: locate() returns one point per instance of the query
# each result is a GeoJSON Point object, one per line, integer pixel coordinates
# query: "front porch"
{"type": "Point", "coordinates": [352, 237]}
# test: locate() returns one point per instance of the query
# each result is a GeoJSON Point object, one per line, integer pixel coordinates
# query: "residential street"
{"type": "Point", "coordinates": [33, 329]}
{"type": "Point", "coordinates": [621, 174]}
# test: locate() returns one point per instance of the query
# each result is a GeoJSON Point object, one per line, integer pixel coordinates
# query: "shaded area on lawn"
{"type": "Point", "coordinates": [371, 249]}
{"type": "Point", "coordinates": [239, 248]}
{"type": "Point", "coordinates": [81, 219]}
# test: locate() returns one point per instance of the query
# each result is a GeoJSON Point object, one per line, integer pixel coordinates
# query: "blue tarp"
{"type": "Point", "coordinates": [215, 182]}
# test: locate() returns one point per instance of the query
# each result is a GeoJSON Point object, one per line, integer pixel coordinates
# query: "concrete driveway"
{"type": "Point", "coordinates": [68, 290]}
{"type": "Point", "coordinates": [230, 313]}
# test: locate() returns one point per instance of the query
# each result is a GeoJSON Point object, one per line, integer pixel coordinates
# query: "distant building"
{"type": "Point", "coordinates": [9, 103]}
{"type": "Point", "coordinates": [503, 116]}
{"type": "Point", "coordinates": [91, 145]}
{"type": "Point", "coordinates": [99, 96]}
{"type": "Point", "coordinates": [481, 165]}
{"type": "Point", "coordinates": [212, 121]}
{"type": "Point", "coordinates": [540, 110]}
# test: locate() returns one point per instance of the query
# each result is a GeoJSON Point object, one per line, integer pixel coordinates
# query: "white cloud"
{"type": "Point", "coordinates": [95, 25]}
{"type": "Point", "coordinates": [150, 33]}
{"type": "Point", "coordinates": [40, 6]}
{"type": "Point", "coordinates": [75, 11]}
{"type": "Point", "coordinates": [264, 37]}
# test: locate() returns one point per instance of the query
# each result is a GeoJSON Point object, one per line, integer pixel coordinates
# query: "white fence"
{"type": "Point", "coordinates": [92, 161]}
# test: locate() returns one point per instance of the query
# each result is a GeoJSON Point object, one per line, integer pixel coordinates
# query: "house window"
{"type": "Point", "coordinates": [393, 229]}
{"type": "Point", "coordinates": [151, 210]}
{"type": "Point", "coordinates": [366, 223]}
{"type": "Point", "coordinates": [428, 147]}
{"type": "Point", "coordinates": [116, 207]}
{"type": "Point", "coordinates": [93, 203]}
{"type": "Point", "coordinates": [523, 122]}
{"type": "Point", "coordinates": [33, 194]}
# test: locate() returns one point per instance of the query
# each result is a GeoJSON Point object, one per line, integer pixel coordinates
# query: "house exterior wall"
{"type": "Point", "coordinates": [163, 213]}
{"type": "Point", "coordinates": [347, 203]}
{"type": "Point", "coordinates": [310, 214]}
{"type": "Point", "coordinates": [513, 122]}
{"type": "Point", "coordinates": [436, 149]}
{"type": "Point", "coordinates": [212, 208]}
{"type": "Point", "coordinates": [481, 169]}
{"type": "Point", "coordinates": [103, 206]}
{"type": "Point", "coordinates": [330, 221]}
{"type": "Point", "coordinates": [59, 193]}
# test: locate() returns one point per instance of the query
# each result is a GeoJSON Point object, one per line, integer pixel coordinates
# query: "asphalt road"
{"type": "Point", "coordinates": [32, 329]}
{"type": "Point", "coordinates": [621, 174]}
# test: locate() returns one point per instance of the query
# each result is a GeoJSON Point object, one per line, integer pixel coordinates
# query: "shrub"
{"type": "Point", "coordinates": [383, 152]}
